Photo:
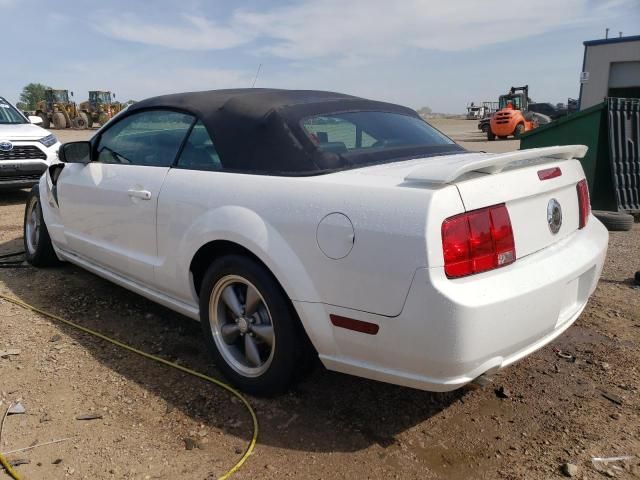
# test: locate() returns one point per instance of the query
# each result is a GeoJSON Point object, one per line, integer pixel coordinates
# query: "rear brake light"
{"type": "Point", "coordinates": [477, 241]}
{"type": "Point", "coordinates": [549, 173]}
{"type": "Point", "coordinates": [583, 202]}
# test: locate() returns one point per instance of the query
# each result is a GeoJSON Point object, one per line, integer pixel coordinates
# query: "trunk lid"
{"type": "Point", "coordinates": [512, 178]}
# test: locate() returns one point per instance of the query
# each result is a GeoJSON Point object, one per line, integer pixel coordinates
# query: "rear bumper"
{"type": "Point", "coordinates": [452, 331]}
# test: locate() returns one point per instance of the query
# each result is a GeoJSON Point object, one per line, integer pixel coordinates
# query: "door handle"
{"type": "Point", "coordinates": [143, 194]}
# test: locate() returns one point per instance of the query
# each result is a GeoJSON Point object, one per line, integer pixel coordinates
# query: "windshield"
{"type": "Point", "coordinates": [101, 97]}
{"type": "Point", "coordinates": [515, 100]}
{"type": "Point", "coordinates": [59, 96]}
{"type": "Point", "coordinates": [8, 114]}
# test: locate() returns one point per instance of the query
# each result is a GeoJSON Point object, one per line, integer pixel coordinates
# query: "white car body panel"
{"type": "Point", "coordinates": [110, 215]}
{"type": "Point", "coordinates": [257, 212]}
{"type": "Point", "coordinates": [452, 331]}
{"type": "Point", "coordinates": [23, 131]}
{"type": "Point", "coordinates": [435, 333]}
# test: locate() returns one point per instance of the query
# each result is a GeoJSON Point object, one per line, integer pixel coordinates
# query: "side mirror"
{"type": "Point", "coordinates": [75, 152]}
{"type": "Point", "coordinates": [36, 120]}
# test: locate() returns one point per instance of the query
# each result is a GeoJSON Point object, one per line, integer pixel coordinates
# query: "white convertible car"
{"type": "Point", "coordinates": [296, 224]}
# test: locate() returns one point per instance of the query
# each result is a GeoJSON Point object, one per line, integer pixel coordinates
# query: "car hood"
{"type": "Point", "coordinates": [22, 131]}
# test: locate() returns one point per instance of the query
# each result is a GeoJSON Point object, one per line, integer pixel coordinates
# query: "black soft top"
{"type": "Point", "coordinates": [259, 130]}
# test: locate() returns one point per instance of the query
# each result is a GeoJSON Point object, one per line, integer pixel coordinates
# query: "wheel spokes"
{"type": "Point", "coordinates": [230, 332]}
{"type": "Point", "coordinates": [34, 226]}
{"type": "Point", "coordinates": [230, 298]}
{"type": "Point", "coordinates": [251, 352]}
{"type": "Point", "coordinates": [33, 221]}
{"type": "Point", "coordinates": [242, 326]}
{"type": "Point", "coordinates": [252, 301]}
{"type": "Point", "coordinates": [264, 333]}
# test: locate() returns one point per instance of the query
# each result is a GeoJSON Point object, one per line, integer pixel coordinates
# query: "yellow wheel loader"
{"type": "Point", "coordinates": [58, 111]}
{"type": "Point", "coordinates": [100, 107]}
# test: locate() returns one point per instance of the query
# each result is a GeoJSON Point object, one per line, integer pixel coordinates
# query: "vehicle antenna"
{"type": "Point", "coordinates": [256, 78]}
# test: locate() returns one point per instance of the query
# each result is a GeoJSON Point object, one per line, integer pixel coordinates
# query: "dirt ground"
{"type": "Point", "coordinates": [571, 401]}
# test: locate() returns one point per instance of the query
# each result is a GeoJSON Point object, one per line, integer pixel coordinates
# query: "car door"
{"type": "Point", "coordinates": [108, 207]}
{"type": "Point", "coordinates": [194, 186]}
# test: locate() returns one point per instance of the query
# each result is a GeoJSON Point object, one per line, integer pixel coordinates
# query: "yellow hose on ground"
{"type": "Point", "coordinates": [9, 468]}
{"type": "Point", "coordinates": [216, 382]}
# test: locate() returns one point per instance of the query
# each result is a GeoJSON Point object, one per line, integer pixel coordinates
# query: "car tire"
{"type": "Point", "coordinates": [518, 131]}
{"type": "Point", "coordinates": [615, 221]}
{"type": "Point", "coordinates": [38, 250]}
{"type": "Point", "coordinates": [485, 128]}
{"type": "Point", "coordinates": [262, 353]}
{"type": "Point", "coordinates": [59, 121]}
{"type": "Point", "coordinates": [490, 135]}
{"type": "Point", "coordinates": [45, 120]}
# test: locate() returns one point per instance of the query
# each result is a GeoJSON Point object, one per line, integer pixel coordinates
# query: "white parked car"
{"type": "Point", "coordinates": [26, 150]}
{"type": "Point", "coordinates": [300, 223]}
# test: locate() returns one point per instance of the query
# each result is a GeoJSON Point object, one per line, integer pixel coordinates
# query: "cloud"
{"type": "Point", "coordinates": [375, 28]}
{"type": "Point", "coordinates": [193, 33]}
{"type": "Point", "coordinates": [355, 31]}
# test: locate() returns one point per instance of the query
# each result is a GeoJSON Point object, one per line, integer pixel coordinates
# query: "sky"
{"type": "Point", "coordinates": [441, 54]}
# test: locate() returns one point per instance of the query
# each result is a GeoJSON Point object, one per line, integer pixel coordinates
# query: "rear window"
{"type": "Point", "coordinates": [360, 132]}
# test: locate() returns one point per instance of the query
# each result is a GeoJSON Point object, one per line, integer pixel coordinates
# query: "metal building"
{"type": "Point", "coordinates": [611, 68]}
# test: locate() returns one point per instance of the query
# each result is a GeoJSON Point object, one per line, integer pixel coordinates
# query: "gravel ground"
{"type": "Point", "coordinates": [571, 401]}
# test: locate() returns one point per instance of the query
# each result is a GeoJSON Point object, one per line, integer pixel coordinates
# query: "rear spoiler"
{"type": "Point", "coordinates": [447, 169]}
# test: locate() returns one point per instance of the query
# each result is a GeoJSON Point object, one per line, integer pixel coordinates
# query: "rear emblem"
{"type": "Point", "coordinates": [6, 146]}
{"type": "Point", "coordinates": [554, 215]}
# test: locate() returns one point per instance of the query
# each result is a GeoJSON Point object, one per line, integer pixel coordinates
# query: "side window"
{"type": "Point", "coordinates": [150, 138]}
{"type": "Point", "coordinates": [199, 153]}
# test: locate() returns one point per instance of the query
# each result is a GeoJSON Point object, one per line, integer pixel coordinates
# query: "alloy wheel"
{"type": "Point", "coordinates": [32, 226]}
{"type": "Point", "coordinates": [242, 325]}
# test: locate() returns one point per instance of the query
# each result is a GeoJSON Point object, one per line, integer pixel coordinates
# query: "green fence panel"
{"type": "Point", "coordinates": [588, 127]}
{"type": "Point", "coordinates": [624, 139]}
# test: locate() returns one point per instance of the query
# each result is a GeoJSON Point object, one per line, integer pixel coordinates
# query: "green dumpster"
{"type": "Point", "coordinates": [588, 127]}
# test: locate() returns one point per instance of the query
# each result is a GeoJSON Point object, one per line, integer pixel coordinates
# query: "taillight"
{"type": "Point", "coordinates": [477, 241]}
{"type": "Point", "coordinates": [583, 202]}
